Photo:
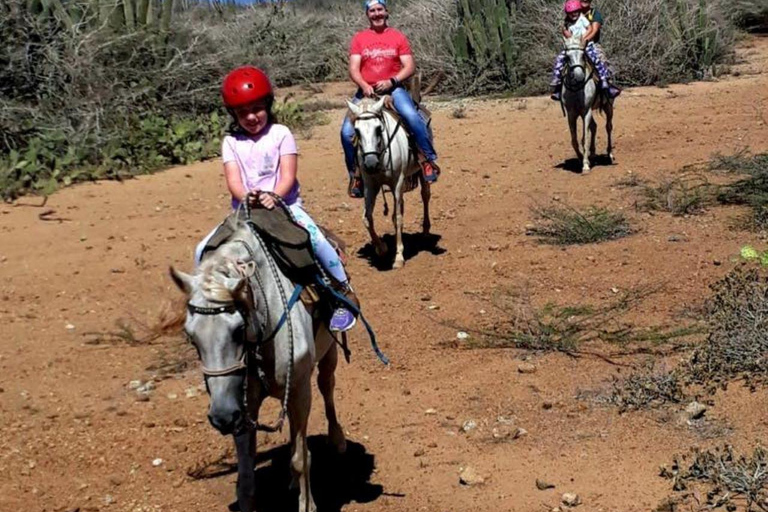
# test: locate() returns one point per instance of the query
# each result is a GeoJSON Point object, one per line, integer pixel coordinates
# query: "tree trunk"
{"type": "Point", "coordinates": [128, 10]}
{"type": "Point", "coordinates": [165, 23]}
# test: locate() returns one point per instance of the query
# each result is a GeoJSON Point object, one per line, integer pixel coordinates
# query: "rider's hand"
{"type": "Point", "coordinates": [383, 86]}
{"type": "Point", "coordinates": [267, 201]}
{"type": "Point", "coordinates": [368, 91]}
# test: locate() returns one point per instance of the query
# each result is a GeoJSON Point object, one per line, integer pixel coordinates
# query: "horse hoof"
{"type": "Point", "coordinates": [399, 262]}
{"type": "Point", "coordinates": [381, 250]}
{"type": "Point", "coordinates": [337, 440]}
{"type": "Point", "coordinates": [585, 170]}
{"type": "Point", "coordinates": [613, 159]}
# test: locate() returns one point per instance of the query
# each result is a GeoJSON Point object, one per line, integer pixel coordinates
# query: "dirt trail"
{"type": "Point", "coordinates": [72, 434]}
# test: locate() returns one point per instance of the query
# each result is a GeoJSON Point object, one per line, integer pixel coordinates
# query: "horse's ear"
{"type": "Point", "coordinates": [376, 108]}
{"type": "Point", "coordinates": [238, 290]}
{"type": "Point", "coordinates": [355, 109]}
{"type": "Point", "coordinates": [182, 280]}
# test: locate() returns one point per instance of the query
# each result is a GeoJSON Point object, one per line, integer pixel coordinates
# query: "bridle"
{"type": "Point", "coordinates": [229, 308]}
{"type": "Point", "coordinates": [367, 116]}
{"type": "Point", "coordinates": [581, 84]}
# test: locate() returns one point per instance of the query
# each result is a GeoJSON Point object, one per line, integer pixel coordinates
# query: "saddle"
{"type": "Point", "coordinates": [288, 243]}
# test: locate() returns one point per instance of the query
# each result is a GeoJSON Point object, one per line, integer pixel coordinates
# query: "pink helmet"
{"type": "Point", "coordinates": [572, 6]}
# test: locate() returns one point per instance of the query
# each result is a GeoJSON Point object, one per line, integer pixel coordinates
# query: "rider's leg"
{"type": "Point", "coordinates": [342, 319]}
{"type": "Point", "coordinates": [597, 57]}
{"type": "Point", "coordinates": [557, 76]}
{"type": "Point", "coordinates": [418, 126]}
{"type": "Point", "coordinates": [350, 154]}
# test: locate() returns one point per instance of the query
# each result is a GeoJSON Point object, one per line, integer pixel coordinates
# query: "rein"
{"type": "Point", "coordinates": [390, 137]}
{"type": "Point", "coordinates": [580, 85]}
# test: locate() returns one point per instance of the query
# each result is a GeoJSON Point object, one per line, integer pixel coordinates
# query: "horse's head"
{"type": "Point", "coordinates": [219, 324]}
{"type": "Point", "coordinates": [369, 126]}
{"type": "Point", "coordinates": [576, 60]}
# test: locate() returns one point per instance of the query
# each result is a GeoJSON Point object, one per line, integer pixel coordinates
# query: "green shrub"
{"type": "Point", "coordinates": [563, 225]}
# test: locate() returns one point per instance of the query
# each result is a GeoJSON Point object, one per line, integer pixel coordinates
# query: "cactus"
{"type": "Point", "coordinates": [484, 38]}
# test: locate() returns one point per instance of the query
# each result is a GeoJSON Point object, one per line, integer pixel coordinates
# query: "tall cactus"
{"type": "Point", "coordinates": [484, 37]}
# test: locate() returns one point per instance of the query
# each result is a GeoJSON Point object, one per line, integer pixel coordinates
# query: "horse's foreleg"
{"type": "Point", "coordinates": [426, 194]}
{"type": "Point", "coordinates": [609, 129]}
{"type": "Point", "coordinates": [326, 381]}
{"type": "Point", "coordinates": [592, 136]}
{"type": "Point", "coordinates": [586, 128]}
{"type": "Point", "coordinates": [298, 414]}
{"type": "Point", "coordinates": [573, 121]}
{"type": "Point", "coordinates": [371, 191]}
{"type": "Point", "coordinates": [397, 220]}
{"type": "Point", "coordinates": [245, 445]}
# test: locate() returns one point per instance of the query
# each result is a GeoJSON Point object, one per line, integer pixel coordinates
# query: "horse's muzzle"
{"type": "Point", "coordinates": [226, 422]}
{"type": "Point", "coordinates": [371, 162]}
{"type": "Point", "coordinates": [226, 411]}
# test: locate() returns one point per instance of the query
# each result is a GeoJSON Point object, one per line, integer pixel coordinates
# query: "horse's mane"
{"type": "Point", "coordinates": [366, 103]}
{"type": "Point", "coordinates": [216, 270]}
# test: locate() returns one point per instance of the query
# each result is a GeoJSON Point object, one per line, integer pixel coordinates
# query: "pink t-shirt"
{"type": "Point", "coordinates": [258, 158]}
{"type": "Point", "coordinates": [380, 53]}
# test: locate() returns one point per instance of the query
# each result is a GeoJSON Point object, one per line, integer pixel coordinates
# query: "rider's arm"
{"type": "Point", "coordinates": [234, 181]}
{"type": "Point", "coordinates": [594, 29]}
{"type": "Point", "coordinates": [355, 75]}
{"type": "Point", "coordinates": [408, 69]}
{"type": "Point", "coordinates": [288, 167]}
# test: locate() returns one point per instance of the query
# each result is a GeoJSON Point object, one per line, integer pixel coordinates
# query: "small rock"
{"type": "Point", "coordinates": [430, 411]}
{"type": "Point", "coordinates": [142, 397]}
{"type": "Point", "coordinates": [172, 396]}
{"type": "Point", "coordinates": [419, 452]}
{"type": "Point", "coordinates": [469, 425]}
{"type": "Point", "coordinates": [426, 298]}
{"type": "Point", "coordinates": [469, 476]}
{"type": "Point", "coordinates": [462, 335]}
{"type": "Point", "coordinates": [695, 410]}
{"type": "Point", "coordinates": [157, 462]}
{"type": "Point", "coordinates": [109, 499]}
{"type": "Point", "coordinates": [526, 368]}
{"type": "Point", "coordinates": [571, 499]}
{"type": "Point", "coordinates": [146, 387]}
{"type": "Point", "coordinates": [134, 384]}
{"type": "Point", "coordinates": [614, 289]}
{"type": "Point", "coordinates": [192, 392]}
{"type": "Point", "coordinates": [520, 432]}
{"type": "Point", "coordinates": [717, 263]}
{"type": "Point", "coordinates": [543, 485]}
{"type": "Point", "coordinates": [433, 307]}
{"type": "Point", "coordinates": [547, 405]}
{"type": "Point", "coordinates": [69, 327]}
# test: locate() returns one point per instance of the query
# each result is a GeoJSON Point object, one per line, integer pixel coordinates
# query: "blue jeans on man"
{"type": "Point", "coordinates": [414, 121]}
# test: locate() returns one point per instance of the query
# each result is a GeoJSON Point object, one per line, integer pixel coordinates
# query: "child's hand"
{"type": "Point", "coordinates": [368, 91]}
{"type": "Point", "coordinates": [257, 199]}
{"type": "Point", "coordinates": [267, 201]}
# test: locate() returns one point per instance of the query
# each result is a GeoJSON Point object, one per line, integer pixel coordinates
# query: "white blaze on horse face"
{"type": "Point", "coordinates": [369, 134]}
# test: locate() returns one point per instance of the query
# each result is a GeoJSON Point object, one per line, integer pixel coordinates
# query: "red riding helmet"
{"type": "Point", "coordinates": [245, 85]}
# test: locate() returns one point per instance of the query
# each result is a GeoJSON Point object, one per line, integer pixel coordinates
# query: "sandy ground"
{"type": "Point", "coordinates": [74, 437]}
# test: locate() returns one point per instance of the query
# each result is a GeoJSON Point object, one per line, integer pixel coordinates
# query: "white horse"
{"type": "Point", "coordinates": [386, 159]}
{"type": "Point", "coordinates": [253, 344]}
{"type": "Point", "coordinates": [582, 100]}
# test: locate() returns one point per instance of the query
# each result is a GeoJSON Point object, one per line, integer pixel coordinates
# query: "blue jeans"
{"type": "Point", "coordinates": [411, 117]}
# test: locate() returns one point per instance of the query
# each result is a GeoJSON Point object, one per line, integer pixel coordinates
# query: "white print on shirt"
{"type": "Point", "coordinates": [379, 53]}
{"type": "Point", "coordinates": [267, 166]}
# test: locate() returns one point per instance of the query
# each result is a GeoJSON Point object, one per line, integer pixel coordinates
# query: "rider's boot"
{"type": "Point", "coordinates": [430, 170]}
{"type": "Point", "coordinates": [343, 318]}
{"type": "Point", "coordinates": [355, 189]}
{"type": "Point", "coordinates": [557, 92]}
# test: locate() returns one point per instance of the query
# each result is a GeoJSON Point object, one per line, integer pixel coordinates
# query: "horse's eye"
{"type": "Point", "coordinates": [238, 335]}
